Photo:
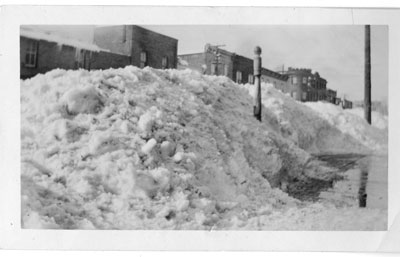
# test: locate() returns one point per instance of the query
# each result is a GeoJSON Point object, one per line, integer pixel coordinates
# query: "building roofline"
{"type": "Point", "coordinates": [192, 54]}
{"type": "Point", "coordinates": [274, 74]}
{"type": "Point", "coordinates": [134, 25]}
{"type": "Point", "coordinates": [49, 37]}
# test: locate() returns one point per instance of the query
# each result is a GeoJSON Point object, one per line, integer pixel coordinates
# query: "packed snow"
{"type": "Point", "coordinates": [134, 148]}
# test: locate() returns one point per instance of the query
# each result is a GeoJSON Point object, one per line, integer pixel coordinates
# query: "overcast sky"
{"type": "Point", "coordinates": [336, 52]}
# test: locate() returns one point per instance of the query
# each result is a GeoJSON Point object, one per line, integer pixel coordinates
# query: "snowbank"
{"type": "Point", "coordinates": [163, 149]}
{"type": "Point", "coordinates": [318, 127]}
{"type": "Point", "coordinates": [379, 120]}
{"type": "Point", "coordinates": [351, 122]}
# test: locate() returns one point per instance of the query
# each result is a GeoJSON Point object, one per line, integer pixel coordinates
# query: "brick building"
{"type": "Point", "coordinates": [41, 52]}
{"type": "Point", "coordinates": [305, 85]}
{"type": "Point", "coordinates": [331, 96]}
{"type": "Point", "coordinates": [280, 81]}
{"type": "Point", "coordinates": [143, 46]}
{"type": "Point", "coordinates": [216, 61]}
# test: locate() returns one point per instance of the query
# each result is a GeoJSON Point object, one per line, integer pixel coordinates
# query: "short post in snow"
{"type": "Point", "coordinates": [257, 82]}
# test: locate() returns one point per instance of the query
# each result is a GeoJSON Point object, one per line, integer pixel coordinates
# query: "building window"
{"type": "Point", "coordinates": [294, 80]}
{"type": "Point", "coordinates": [226, 68]}
{"type": "Point", "coordinates": [124, 34]}
{"type": "Point", "coordinates": [295, 95]}
{"type": "Point", "coordinates": [304, 95]}
{"type": "Point", "coordinates": [31, 54]}
{"type": "Point", "coordinates": [143, 59]}
{"type": "Point", "coordinates": [82, 58]}
{"type": "Point", "coordinates": [164, 62]}
{"type": "Point", "coordinates": [251, 79]}
{"type": "Point", "coordinates": [213, 68]}
{"type": "Point", "coordinates": [304, 80]}
{"type": "Point", "coordinates": [238, 77]}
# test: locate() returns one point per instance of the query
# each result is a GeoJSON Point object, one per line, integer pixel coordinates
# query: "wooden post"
{"type": "Point", "coordinates": [367, 75]}
{"type": "Point", "coordinates": [257, 82]}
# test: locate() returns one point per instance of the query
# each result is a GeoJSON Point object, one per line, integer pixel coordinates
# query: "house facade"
{"type": "Point", "coordinates": [143, 46]}
{"type": "Point", "coordinates": [41, 52]}
{"type": "Point", "coordinates": [216, 61]}
{"type": "Point", "coordinates": [305, 85]}
{"type": "Point", "coordinates": [279, 81]}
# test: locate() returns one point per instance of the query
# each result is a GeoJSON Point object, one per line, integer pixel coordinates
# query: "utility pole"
{"type": "Point", "coordinates": [257, 82]}
{"type": "Point", "coordinates": [367, 75]}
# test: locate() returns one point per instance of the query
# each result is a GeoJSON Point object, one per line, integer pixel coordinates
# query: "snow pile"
{"type": "Point", "coordinates": [316, 126]}
{"type": "Point", "coordinates": [160, 149]}
{"type": "Point", "coordinates": [350, 122]}
{"type": "Point", "coordinates": [379, 120]}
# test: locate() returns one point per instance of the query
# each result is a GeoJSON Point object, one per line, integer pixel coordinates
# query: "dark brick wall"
{"type": "Point", "coordinates": [50, 56]}
{"type": "Point", "coordinates": [155, 45]}
{"type": "Point", "coordinates": [243, 64]}
{"type": "Point", "coordinates": [105, 60]}
{"type": "Point", "coordinates": [131, 40]}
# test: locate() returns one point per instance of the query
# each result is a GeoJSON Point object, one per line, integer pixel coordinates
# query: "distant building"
{"type": "Point", "coordinates": [346, 104]}
{"type": "Point", "coordinates": [216, 61]}
{"type": "Point", "coordinates": [143, 46]}
{"type": "Point", "coordinates": [305, 85]}
{"type": "Point", "coordinates": [279, 81]}
{"type": "Point", "coordinates": [331, 96]}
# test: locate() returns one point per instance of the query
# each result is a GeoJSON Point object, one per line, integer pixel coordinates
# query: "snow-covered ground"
{"type": "Point", "coordinates": [166, 149]}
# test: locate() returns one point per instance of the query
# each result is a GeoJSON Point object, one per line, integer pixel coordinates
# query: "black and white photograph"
{"type": "Point", "coordinates": [161, 127]}
{"type": "Point", "coordinates": [217, 126]}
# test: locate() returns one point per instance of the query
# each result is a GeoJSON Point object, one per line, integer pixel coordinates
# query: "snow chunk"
{"type": "Point", "coordinates": [102, 142]}
{"type": "Point", "coordinates": [167, 149]}
{"type": "Point", "coordinates": [66, 130]}
{"type": "Point", "coordinates": [162, 176]}
{"type": "Point", "coordinates": [146, 120]}
{"type": "Point", "coordinates": [178, 157]}
{"type": "Point", "coordinates": [82, 100]}
{"type": "Point", "coordinates": [181, 201]}
{"type": "Point", "coordinates": [146, 148]}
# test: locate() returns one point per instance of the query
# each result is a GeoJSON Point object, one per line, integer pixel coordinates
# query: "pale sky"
{"type": "Point", "coordinates": [336, 52]}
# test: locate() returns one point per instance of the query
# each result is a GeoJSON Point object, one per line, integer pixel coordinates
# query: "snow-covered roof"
{"type": "Point", "coordinates": [41, 35]}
